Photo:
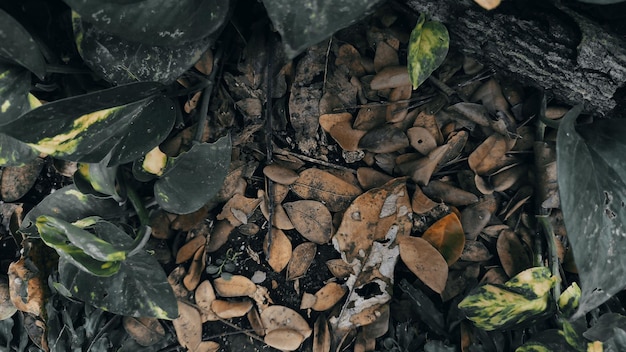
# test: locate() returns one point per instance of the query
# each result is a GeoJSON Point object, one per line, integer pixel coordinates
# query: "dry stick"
{"type": "Point", "coordinates": [330, 43]}
{"type": "Point", "coordinates": [254, 336]}
{"type": "Point", "coordinates": [206, 97]}
{"type": "Point", "coordinates": [268, 140]}
{"type": "Point", "coordinates": [316, 161]}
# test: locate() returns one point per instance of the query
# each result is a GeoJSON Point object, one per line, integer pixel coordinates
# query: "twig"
{"type": "Point", "coordinates": [206, 97]}
{"type": "Point", "coordinates": [254, 336]}
{"type": "Point", "coordinates": [269, 110]}
{"type": "Point", "coordinates": [315, 161]}
{"type": "Point", "coordinates": [330, 43]}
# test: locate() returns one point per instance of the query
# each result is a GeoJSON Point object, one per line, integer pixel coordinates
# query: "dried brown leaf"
{"type": "Point", "coordinates": [476, 216]}
{"type": "Point", "coordinates": [255, 321]}
{"type": "Point", "coordinates": [321, 335]}
{"type": "Point", "coordinates": [190, 248]}
{"type": "Point", "coordinates": [447, 193]}
{"type": "Point", "coordinates": [301, 259]}
{"type": "Point", "coordinates": [421, 139]}
{"type": "Point", "coordinates": [312, 220]}
{"type": "Point", "coordinates": [327, 121]}
{"type": "Point", "coordinates": [339, 268]}
{"type": "Point", "coordinates": [192, 279]}
{"type": "Point", "coordinates": [188, 326]}
{"type": "Point", "coordinates": [26, 287]}
{"type": "Point", "coordinates": [205, 63]}
{"type": "Point", "coordinates": [220, 235]}
{"type": "Point", "coordinates": [279, 252]}
{"type": "Point", "coordinates": [280, 174]}
{"type": "Point", "coordinates": [231, 309]}
{"type": "Point", "coordinates": [7, 308]}
{"type": "Point", "coordinates": [513, 254]}
{"type": "Point", "coordinates": [384, 139]}
{"type": "Point", "coordinates": [347, 137]}
{"type": "Point", "coordinates": [397, 109]}
{"type": "Point", "coordinates": [421, 203]}
{"type": "Point", "coordinates": [391, 77]}
{"type": "Point", "coordinates": [208, 346]}
{"type": "Point", "coordinates": [284, 339]}
{"type": "Point", "coordinates": [475, 251]}
{"type": "Point", "coordinates": [369, 178]}
{"type": "Point", "coordinates": [328, 296]}
{"type": "Point", "coordinates": [423, 169]}
{"type": "Point", "coordinates": [146, 331]}
{"type": "Point", "coordinates": [370, 117]}
{"type": "Point", "coordinates": [16, 181]}
{"type": "Point", "coordinates": [322, 186]}
{"type": "Point", "coordinates": [279, 317]}
{"type": "Point", "coordinates": [204, 296]}
{"type": "Point", "coordinates": [447, 236]}
{"type": "Point", "coordinates": [234, 286]}
{"type": "Point", "coordinates": [488, 156]}
{"type": "Point", "coordinates": [424, 261]}
{"type": "Point", "coordinates": [175, 279]}
{"type": "Point", "coordinates": [238, 209]}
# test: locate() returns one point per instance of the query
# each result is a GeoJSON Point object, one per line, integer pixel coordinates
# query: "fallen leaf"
{"type": "Point", "coordinates": [192, 279]}
{"type": "Point", "coordinates": [175, 279]}
{"type": "Point", "coordinates": [208, 346]}
{"type": "Point", "coordinates": [301, 259]}
{"type": "Point", "coordinates": [146, 331]}
{"type": "Point", "coordinates": [230, 309]}
{"type": "Point", "coordinates": [424, 261]}
{"type": "Point", "coordinates": [384, 139]}
{"type": "Point", "coordinates": [488, 4]}
{"type": "Point", "coordinates": [421, 203]}
{"type": "Point", "coordinates": [398, 108]}
{"type": "Point", "coordinates": [447, 236]}
{"type": "Point", "coordinates": [279, 252]}
{"type": "Point", "coordinates": [347, 137]}
{"type": "Point", "coordinates": [160, 224]}
{"type": "Point", "coordinates": [339, 268]}
{"type": "Point", "coordinates": [238, 209]}
{"type": "Point", "coordinates": [476, 216]}
{"type": "Point", "coordinates": [279, 317]}
{"type": "Point", "coordinates": [370, 117]}
{"type": "Point", "coordinates": [255, 321]}
{"type": "Point", "coordinates": [475, 251]}
{"type": "Point", "coordinates": [513, 254]}
{"type": "Point", "coordinates": [311, 219]}
{"type": "Point", "coordinates": [369, 178]}
{"type": "Point", "coordinates": [321, 335]}
{"type": "Point", "coordinates": [327, 121]}
{"type": "Point", "coordinates": [16, 181]}
{"type": "Point", "coordinates": [391, 77]}
{"type": "Point", "coordinates": [307, 301]}
{"type": "Point", "coordinates": [204, 296]}
{"type": "Point", "coordinates": [280, 174]}
{"type": "Point", "coordinates": [26, 287]}
{"type": "Point", "coordinates": [488, 156]}
{"type": "Point", "coordinates": [188, 250]}
{"type": "Point", "coordinates": [219, 235]}
{"type": "Point", "coordinates": [7, 308]}
{"type": "Point", "coordinates": [421, 139]}
{"type": "Point", "coordinates": [423, 169]}
{"type": "Point", "coordinates": [188, 326]}
{"type": "Point", "coordinates": [386, 55]}
{"type": "Point", "coordinates": [322, 186]}
{"type": "Point", "coordinates": [205, 63]}
{"type": "Point", "coordinates": [328, 296]}
{"type": "Point", "coordinates": [284, 339]}
{"type": "Point", "coordinates": [234, 286]}
{"type": "Point", "coordinates": [449, 194]}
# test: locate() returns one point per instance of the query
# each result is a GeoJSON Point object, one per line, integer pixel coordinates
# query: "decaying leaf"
{"type": "Point", "coordinates": [369, 178]}
{"type": "Point", "coordinates": [204, 296]}
{"type": "Point", "coordinates": [424, 261]}
{"type": "Point", "coordinates": [312, 220]}
{"type": "Point", "coordinates": [175, 279]}
{"type": "Point", "coordinates": [321, 335]}
{"type": "Point", "coordinates": [449, 194]}
{"type": "Point", "coordinates": [280, 174]}
{"type": "Point", "coordinates": [421, 203]}
{"type": "Point", "coordinates": [489, 156]}
{"type": "Point", "coordinates": [447, 236]}
{"type": "Point", "coordinates": [339, 268]}
{"type": "Point", "coordinates": [230, 309]}
{"type": "Point", "coordinates": [192, 278]}
{"type": "Point", "coordinates": [279, 317]}
{"type": "Point", "coordinates": [279, 251]}
{"type": "Point", "coordinates": [423, 169]}
{"type": "Point", "coordinates": [488, 4]}
{"type": "Point", "coordinates": [188, 326]}
{"type": "Point", "coordinates": [146, 331]}
{"type": "Point", "coordinates": [284, 339]}
{"type": "Point", "coordinates": [475, 251]}
{"type": "Point", "coordinates": [219, 235]}
{"type": "Point", "coordinates": [384, 139]}
{"type": "Point", "coordinates": [238, 209]}
{"type": "Point", "coordinates": [347, 137]}
{"type": "Point", "coordinates": [234, 286]}
{"type": "Point", "coordinates": [7, 308]}
{"type": "Point", "coordinates": [26, 287]}
{"type": "Point", "coordinates": [421, 139]}
{"type": "Point", "coordinates": [328, 296]}
{"type": "Point", "coordinates": [301, 259]}
{"type": "Point", "coordinates": [16, 181]}
{"type": "Point", "coordinates": [391, 77]}
{"type": "Point", "coordinates": [366, 240]}
{"type": "Point", "coordinates": [322, 186]}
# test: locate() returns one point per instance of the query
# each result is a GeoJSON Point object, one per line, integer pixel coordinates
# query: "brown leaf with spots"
{"type": "Point", "coordinates": [328, 296]}
{"type": "Point", "coordinates": [488, 156]}
{"type": "Point", "coordinates": [234, 286]}
{"type": "Point", "coordinates": [311, 219]}
{"type": "Point", "coordinates": [424, 261]}
{"type": "Point", "coordinates": [278, 252]}
{"type": "Point", "coordinates": [231, 309]}
{"type": "Point", "coordinates": [322, 186]}
{"type": "Point", "coordinates": [513, 254]}
{"type": "Point", "coordinates": [188, 326]}
{"type": "Point", "coordinates": [188, 250]}
{"type": "Point", "coordinates": [301, 260]}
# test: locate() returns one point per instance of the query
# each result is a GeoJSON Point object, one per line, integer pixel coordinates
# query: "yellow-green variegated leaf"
{"type": "Point", "coordinates": [520, 299]}
{"type": "Point", "coordinates": [99, 180]}
{"type": "Point", "coordinates": [569, 299]}
{"type": "Point", "coordinates": [533, 347]}
{"type": "Point", "coordinates": [126, 122]}
{"type": "Point", "coordinates": [428, 47]}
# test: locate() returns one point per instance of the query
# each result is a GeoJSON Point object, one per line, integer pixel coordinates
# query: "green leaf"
{"type": "Point", "coordinates": [569, 299]}
{"type": "Point", "coordinates": [119, 60]}
{"type": "Point", "coordinates": [139, 288]}
{"type": "Point", "coordinates": [302, 24]}
{"type": "Point", "coordinates": [546, 341]}
{"type": "Point", "coordinates": [194, 177]}
{"type": "Point", "coordinates": [592, 189]}
{"type": "Point", "coordinates": [86, 128]}
{"type": "Point", "coordinates": [602, 330]}
{"type": "Point", "coordinates": [428, 47]}
{"type": "Point", "coordinates": [155, 22]}
{"type": "Point", "coordinates": [98, 180]}
{"type": "Point", "coordinates": [14, 88]}
{"type": "Point", "coordinates": [19, 46]}
{"type": "Point", "coordinates": [70, 205]}
{"type": "Point", "coordinates": [523, 297]}
{"type": "Point", "coordinates": [14, 152]}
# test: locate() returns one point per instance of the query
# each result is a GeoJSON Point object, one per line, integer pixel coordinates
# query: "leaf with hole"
{"type": "Point", "coordinates": [593, 201]}
{"type": "Point", "coordinates": [191, 179]}
{"type": "Point", "coordinates": [428, 47]}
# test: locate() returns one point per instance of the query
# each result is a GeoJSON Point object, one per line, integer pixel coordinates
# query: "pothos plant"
{"type": "Point", "coordinates": [118, 107]}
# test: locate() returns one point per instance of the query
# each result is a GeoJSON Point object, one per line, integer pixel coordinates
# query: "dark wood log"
{"type": "Point", "coordinates": [539, 43]}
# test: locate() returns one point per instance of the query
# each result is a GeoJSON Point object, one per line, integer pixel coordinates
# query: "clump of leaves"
{"type": "Point", "coordinates": [225, 266]}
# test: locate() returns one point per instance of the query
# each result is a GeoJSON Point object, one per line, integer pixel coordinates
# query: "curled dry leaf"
{"type": "Point", "coordinates": [424, 261]}
{"type": "Point", "coordinates": [231, 309]}
{"type": "Point", "coordinates": [279, 252]}
{"type": "Point", "coordinates": [312, 220]}
{"type": "Point", "coordinates": [476, 216]}
{"type": "Point", "coordinates": [301, 259]}
{"type": "Point", "coordinates": [513, 254]}
{"type": "Point", "coordinates": [280, 317]}
{"type": "Point", "coordinates": [447, 235]}
{"type": "Point", "coordinates": [189, 249]}
{"type": "Point", "coordinates": [384, 139]}
{"type": "Point", "coordinates": [204, 296]}
{"type": "Point", "coordinates": [488, 157]}
{"type": "Point", "coordinates": [328, 296]}
{"type": "Point", "coordinates": [447, 193]}
{"type": "Point", "coordinates": [234, 286]}
{"type": "Point", "coordinates": [339, 268]}
{"type": "Point", "coordinates": [325, 187]}
{"type": "Point", "coordinates": [196, 268]}
{"type": "Point", "coordinates": [421, 139]}
{"type": "Point", "coordinates": [307, 301]}
{"type": "Point", "coordinates": [146, 331]}
{"type": "Point", "coordinates": [188, 326]}
{"type": "Point", "coordinates": [327, 121]}
{"type": "Point", "coordinates": [220, 235]}
{"type": "Point", "coordinates": [280, 174]}
{"type": "Point", "coordinates": [26, 288]}
{"type": "Point", "coordinates": [284, 339]}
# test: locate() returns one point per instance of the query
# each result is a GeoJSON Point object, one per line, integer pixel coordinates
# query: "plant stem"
{"type": "Point", "coordinates": [206, 97]}
{"type": "Point", "coordinates": [52, 68]}
{"type": "Point", "coordinates": [144, 233]}
{"type": "Point", "coordinates": [548, 231]}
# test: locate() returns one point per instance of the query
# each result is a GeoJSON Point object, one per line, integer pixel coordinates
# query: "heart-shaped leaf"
{"type": "Point", "coordinates": [138, 289]}
{"type": "Point", "coordinates": [428, 47]}
{"type": "Point", "coordinates": [120, 60]}
{"type": "Point", "coordinates": [19, 46]}
{"type": "Point", "coordinates": [86, 128]}
{"type": "Point", "coordinates": [155, 22]}
{"type": "Point", "coordinates": [194, 177]}
{"type": "Point", "coordinates": [592, 187]}
{"type": "Point", "coordinates": [302, 26]}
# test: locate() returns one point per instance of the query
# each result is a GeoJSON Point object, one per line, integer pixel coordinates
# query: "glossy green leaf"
{"type": "Point", "coordinates": [17, 45]}
{"type": "Point", "coordinates": [64, 130]}
{"type": "Point", "coordinates": [520, 299]}
{"type": "Point", "coordinates": [602, 330]}
{"type": "Point", "coordinates": [546, 341]}
{"type": "Point", "coordinates": [14, 152]}
{"type": "Point", "coordinates": [119, 60]}
{"type": "Point", "coordinates": [14, 88]}
{"type": "Point", "coordinates": [70, 205]}
{"type": "Point", "coordinates": [139, 288]}
{"type": "Point", "coordinates": [592, 189]}
{"type": "Point", "coordinates": [428, 47]}
{"type": "Point", "coordinates": [194, 177]}
{"type": "Point", "coordinates": [569, 299]}
{"type": "Point", "coordinates": [92, 245]}
{"type": "Point", "coordinates": [302, 24]}
{"type": "Point", "coordinates": [98, 180]}
{"type": "Point", "coordinates": [155, 22]}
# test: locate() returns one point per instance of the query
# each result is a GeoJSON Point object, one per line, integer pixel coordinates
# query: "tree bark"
{"type": "Point", "coordinates": [539, 43]}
